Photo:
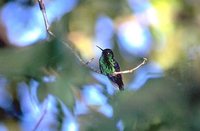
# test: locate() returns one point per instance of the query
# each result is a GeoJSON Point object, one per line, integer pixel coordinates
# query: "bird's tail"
{"type": "Point", "coordinates": [117, 80]}
{"type": "Point", "coordinates": [120, 85]}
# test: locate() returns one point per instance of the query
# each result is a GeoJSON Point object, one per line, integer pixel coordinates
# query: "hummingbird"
{"type": "Point", "coordinates": [108, 65]}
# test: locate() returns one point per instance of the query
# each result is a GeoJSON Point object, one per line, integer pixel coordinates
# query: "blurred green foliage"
{"type": "Point", "coordinates": [168, 103]}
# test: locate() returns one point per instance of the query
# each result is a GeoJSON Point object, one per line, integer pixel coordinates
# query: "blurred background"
{"type": "Point", "coordinates": [44, 87]}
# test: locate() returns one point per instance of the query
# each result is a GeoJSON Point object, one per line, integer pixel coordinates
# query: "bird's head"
{"type": "Point", "coordinates": [107, 53]}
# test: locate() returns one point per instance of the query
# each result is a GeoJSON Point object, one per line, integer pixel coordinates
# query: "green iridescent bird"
{"type": "Point", "coordinates": [108, 65]}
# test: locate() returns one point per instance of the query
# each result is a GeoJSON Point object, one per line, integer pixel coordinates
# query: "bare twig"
{"type": "Point", "coordinates": [131, 70]}
{"type": "Point", "coordinates": [43, 10]}
{"type": "Point", "coordinates": [47, 26]}
{"type": "Point", "coordinates": [40, 120]}
{"type": "Point", "coordinates": [88, 62]}
{"type": "Point", "coordinates": [85, 63]}
{"type": "Point", "coordinates": [66, 43]}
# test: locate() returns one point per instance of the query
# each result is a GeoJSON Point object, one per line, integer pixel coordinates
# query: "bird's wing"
{"type": "Point", "coordinates": [116, 66]}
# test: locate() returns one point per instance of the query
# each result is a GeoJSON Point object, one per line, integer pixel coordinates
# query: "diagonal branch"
{"type": "Point", "coordinates": [131, 70]}
{"type": "Point", "coordinates": [43, 10]}
{"type": "Point", "coordinates": [40, 120]}
{"type": "Point", "coordinates": [47, 26]}
{"type": "Point", "coordinates": [67, 43]}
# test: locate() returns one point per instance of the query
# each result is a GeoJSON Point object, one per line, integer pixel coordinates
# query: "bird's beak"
{"type": "Point", "coordinates": [99, 47]}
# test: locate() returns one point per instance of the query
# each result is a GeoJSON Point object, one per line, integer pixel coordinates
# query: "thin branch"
{"type": "Point", "coordinates": [88, 62]}
{"type": "Point", "coordinates": [131, 70]}
{"type": "Point", "coordinates": [85, 63]}
{"type": "Point", "coordinates": [90, 67]}
{"type": "Point", "coordinates": [67, 42]}
{"type": "Point", "coordinates": [40, 120]}
{"type": "Point", "coordinates": [43, 10]}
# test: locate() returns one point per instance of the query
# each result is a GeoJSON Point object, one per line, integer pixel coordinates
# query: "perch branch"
{"type": "Point", "coordinates": [47, 26]}
{"type": "Point", "coordinates": [66, 43]}
{"type": "Point", "coordinates": [131, 70]}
